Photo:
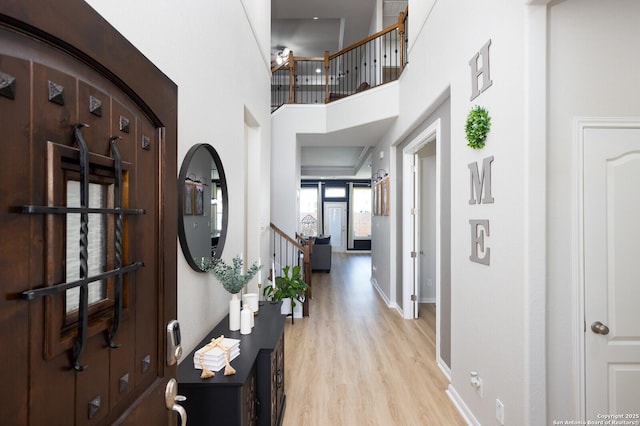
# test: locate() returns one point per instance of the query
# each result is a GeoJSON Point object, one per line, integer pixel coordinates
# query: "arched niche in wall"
{"type": "Point", "coordinates": [203, 207]}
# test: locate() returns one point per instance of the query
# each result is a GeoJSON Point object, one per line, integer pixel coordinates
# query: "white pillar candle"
{"type": "Point", "coordinates": [245, 320]}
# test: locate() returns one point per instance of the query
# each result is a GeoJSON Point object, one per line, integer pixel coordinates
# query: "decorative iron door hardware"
{"type": "Point", "coordinates": [83, 316]}
{"type": "Point", "coordinates": [84, 210]}
{"type": "Point", "coordinates": [117, 305]}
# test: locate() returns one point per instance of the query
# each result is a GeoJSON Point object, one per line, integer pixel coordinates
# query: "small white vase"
{"type": "Point", "coordinates": [245, 320]}
{"type": "Point", "coordinates": [234, 313]}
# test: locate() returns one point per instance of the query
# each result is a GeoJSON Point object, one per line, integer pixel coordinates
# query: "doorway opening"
{"type": "Point", "coordinates": [421, 229]}
{"type": "Point", "coordinates": [335, 224]}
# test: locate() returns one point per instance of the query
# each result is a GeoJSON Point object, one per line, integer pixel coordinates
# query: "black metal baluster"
{"type": "Point", "coordinates": [117, 307]}
{"type": "Point", "coordinates": [84, 230]}
{"type": "Point", "coordinates": [397, 53]}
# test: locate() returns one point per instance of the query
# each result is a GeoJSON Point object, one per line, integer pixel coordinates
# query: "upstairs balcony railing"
{"type": "Point", "coordinates": [378, 59]}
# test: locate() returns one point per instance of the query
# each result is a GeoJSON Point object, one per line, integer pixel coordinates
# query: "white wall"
{"type": "Point", "coordinates": [488, 329]}
{"type": "Point", "coordinates": [217, 53]}
{"type": "Point", "coordinates": [293, 119]}
{"type": "Point", "coordinates": [593, 72]}
{"type": "Point", "coordinates": [383, 236]}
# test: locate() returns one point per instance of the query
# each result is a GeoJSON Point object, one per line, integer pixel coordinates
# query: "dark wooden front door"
{"type": "Point", "coordinates": [87, 221]}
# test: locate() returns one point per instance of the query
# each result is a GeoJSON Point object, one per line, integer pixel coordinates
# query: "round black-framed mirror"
{"type": "Point", "coordinates": [203, 205]}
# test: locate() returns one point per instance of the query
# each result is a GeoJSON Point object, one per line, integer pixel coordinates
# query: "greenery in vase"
{"type": "Point", "coordinates": [231, 276]}
{"type": "Point", "coordinates": [288, 287]}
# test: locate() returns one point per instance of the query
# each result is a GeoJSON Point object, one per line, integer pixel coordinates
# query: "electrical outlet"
{"type": "Point", "coordinates": [429, 282]}
{"type": "Point", "coordinates": [476, 382]}
{"type": "Point", "coordinates": [500, 411]}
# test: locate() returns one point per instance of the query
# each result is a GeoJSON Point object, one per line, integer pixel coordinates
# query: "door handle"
{"type": "Point", "coordinates": [599, 328]}
{"type": "Point", "coordinates": [172, 398]}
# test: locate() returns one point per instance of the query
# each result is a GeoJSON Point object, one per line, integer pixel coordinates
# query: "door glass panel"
{"type": "Point", "coordinates": [97, 243]}
{"type": "Point", "coordinates": [333, 223]}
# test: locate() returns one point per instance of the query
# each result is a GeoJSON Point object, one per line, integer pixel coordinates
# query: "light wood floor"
{"type": "Point", "coordinates": [355, 361]}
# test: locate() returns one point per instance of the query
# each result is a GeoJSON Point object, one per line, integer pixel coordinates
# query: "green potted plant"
{"type": "Point", "coordinates": [233, 280]}
{"type": "Point", "coordinates": [288, 286]}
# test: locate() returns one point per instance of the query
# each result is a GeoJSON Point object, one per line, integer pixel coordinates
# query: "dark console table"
{"type": "Point", "coordinates": [252, 396]}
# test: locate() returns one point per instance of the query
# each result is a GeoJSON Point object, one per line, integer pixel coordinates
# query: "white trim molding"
{"type": "Point", "coordinates": [580, 124]}
{"type": "Point", "coordinates": [462, 408]}
{"type": "Point", "coordinates": [535, 213]}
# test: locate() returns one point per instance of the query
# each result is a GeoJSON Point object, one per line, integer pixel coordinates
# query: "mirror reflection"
{"type": "Point", "coordinates": [203, 211]}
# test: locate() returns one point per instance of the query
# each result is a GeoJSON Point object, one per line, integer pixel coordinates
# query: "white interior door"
{"type": "Point", "coordinates": [415, 218]}
{"type": "Point", "coordinates": [427, 234]}
{"type": "Point", "coordinates": [335, 224]}
{"type": "Point", "coordinates": [424, 145]}
{"type": "Point", "coordinates": [611, 233]}
{"type": "Point", "coordinates": [410, 234]}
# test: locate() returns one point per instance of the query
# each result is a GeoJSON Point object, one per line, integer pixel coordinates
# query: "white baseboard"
{"type": "Point", "coordinates": [427, 300]}
{"type": "Point", "coordinates": [461, 407]}
{"type": "Point", "coordinates": [444, 368]}
{"type": "Point", "coordinates": [398, 309]}
{"type": "Point", "coordinates": [384, 297]}
{"type": "Point", "coordinates": [380, 292]}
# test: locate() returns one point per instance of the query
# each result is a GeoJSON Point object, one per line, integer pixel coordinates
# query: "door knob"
{"type": "Point", "coordinates": [599, 328]}
{"type": "Point", "coordinates": [171, 398]}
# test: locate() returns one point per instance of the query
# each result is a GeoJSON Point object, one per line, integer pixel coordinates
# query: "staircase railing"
{"type": "Point", "coordinates": [291, 252]}
{"type": "Point", "coordinates": [378, 59]}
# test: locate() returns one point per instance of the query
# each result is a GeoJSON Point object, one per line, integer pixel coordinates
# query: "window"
{"type": "Point", "coordinates": [308, 219]}
{"type": "Point", "coordinates": [361, 210]}
{"type": "Point", "coordinates": [335, 192]}
{"type": "Point", "coordinates": [97, 240]}
{"type": "Point", "coordinates": [217, 209]}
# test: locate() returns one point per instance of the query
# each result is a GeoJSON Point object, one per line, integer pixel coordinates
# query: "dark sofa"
{"type": "Point", "coordinates": [321, 255]}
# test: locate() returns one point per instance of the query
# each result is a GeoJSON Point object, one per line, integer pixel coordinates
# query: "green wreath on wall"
{"type": "Point", "coordinates": [477, 126]}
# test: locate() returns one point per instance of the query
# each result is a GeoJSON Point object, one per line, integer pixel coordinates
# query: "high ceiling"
{"type": "Point", "coordinates": [309, 28]}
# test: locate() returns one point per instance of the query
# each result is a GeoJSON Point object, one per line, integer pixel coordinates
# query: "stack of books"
{"type": "Point", "coordinates": [214, 359]}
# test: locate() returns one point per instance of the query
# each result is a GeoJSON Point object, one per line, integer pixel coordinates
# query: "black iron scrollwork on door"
{"type": "Point", "coordinates": [117, 310]}
{"type": "Point", "coordinates": [85, 279]}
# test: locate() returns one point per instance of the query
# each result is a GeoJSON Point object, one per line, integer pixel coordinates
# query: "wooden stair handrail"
{"type": "Point", "coordinates": [306, 261]}
{"type": "Point", "coordinates": [401, 19]}
{"type": "Point", "coordinates": [288, 238]}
